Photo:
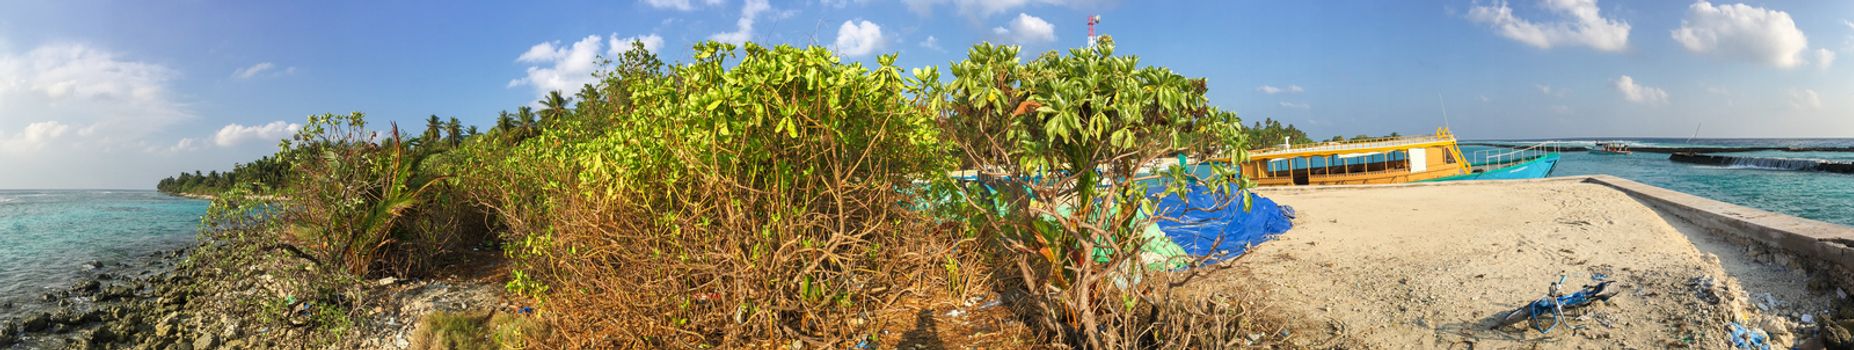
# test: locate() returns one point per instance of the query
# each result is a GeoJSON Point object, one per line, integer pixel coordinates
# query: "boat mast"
{"type": "Point", "coordinates": [1444, 111]}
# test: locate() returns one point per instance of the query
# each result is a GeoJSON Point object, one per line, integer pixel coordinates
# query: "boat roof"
{"type": "Point", "coordinates": [1442, 137]}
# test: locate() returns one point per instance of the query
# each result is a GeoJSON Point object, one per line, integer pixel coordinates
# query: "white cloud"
{"type": "Point", "coordinates": [988, 8]}
{"type": "Point", "coordinates": [1742, 32]}
{"type": "Point", "coordinates": [842, 3]}
{"type": "Point", "coordinates": [749, 12]}
{"type": "Point", "coordinates": [1548, 90]}
{"type": "Point", "coordinates": [1723, 92]}
{"type": "Point", "coordinates": [1026, 29]}
{"type": "Point", "coordinates": [1271, 90]}
{"type": "Point", "coordinates": [184, 145]}
{"type": "Point", "coordinates": [107, 101]}
{"type": "Point", "coordinates": [1295, 105]}
{"type": "Point", "coordinates": [1580, 23]}
{"type": "Point", "coordinates": [253, 70]}
{"type": "Point", "coordinates": [1824, 58]}
{"type": "Point", "coordinates": [1639, 93]}
{"type": "Point", "coordinates": [82, 116]}
{"type": "Point", "coordinates": [1849, 42]}
{"type": "Point", "coordinates": [34, 137]}
{"type": "Point", "coordinates": [619, 46]}
{"type": "Point", "coordinates": [567, 68]}
{"type": "Point", "coordinates": [560, 68]}
{"type": "Point", "coordinates": [679, 5]}
{"type": "Point", "coordinates": [1805, 99]}
{"type": "Point", "coordinates": [858, 38]}
{"type": "Point", "coordinates": [234, 134]}
{"type": "Point", "coordinates": [932, 43]}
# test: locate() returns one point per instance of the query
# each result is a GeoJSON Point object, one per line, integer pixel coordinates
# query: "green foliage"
{"type": "Point", "coordinates": [1270, 133]}
{"type": "Point", "coordinates": [444, 330]}
{"type": "Point", "coordinates": [720, 200]}
{"type": "Point", "coordinates": [1060, 143]}
{"type": "Point", "coordinates": [268, 172]}
{"type": "Point", "coordinates": [349, 191]}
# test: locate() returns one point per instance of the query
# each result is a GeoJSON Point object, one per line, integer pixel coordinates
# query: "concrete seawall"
{"type": "Point", "coordinates": [1825, 247]}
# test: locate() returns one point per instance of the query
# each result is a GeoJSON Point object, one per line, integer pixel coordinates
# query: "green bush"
{"type": "Point", "coordinates": [350, 188]}
{"type": "Point", "coordinates": [1060, 145]}
{"type": "Point", "coordinates": [724, 202]}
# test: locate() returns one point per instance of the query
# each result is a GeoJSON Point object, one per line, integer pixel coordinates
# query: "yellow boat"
{"type": "Point", "coordinates": [1371, 161]}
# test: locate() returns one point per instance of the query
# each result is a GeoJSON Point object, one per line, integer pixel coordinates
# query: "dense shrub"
{"type": "Point", "coordinates": [351, 188]}
{"type": "Point", "coordinates": [726, 203]}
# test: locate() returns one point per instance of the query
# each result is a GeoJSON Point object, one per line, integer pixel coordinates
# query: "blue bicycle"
{"type": "Point", "coordinates": [1554, 303]}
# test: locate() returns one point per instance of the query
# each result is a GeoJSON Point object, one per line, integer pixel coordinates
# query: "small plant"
{"type": "Point", "coordinates": [523, 284]}
{"type": "Point", "coordinates": [351, 188]}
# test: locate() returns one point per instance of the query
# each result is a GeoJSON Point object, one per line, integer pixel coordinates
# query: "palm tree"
{"type": "Point", "coordinates": [504, 122]}
{"type": "Point", "coordinates": [555, 106]}
{"type": "Point", "coordinates": [471, 132]}
{"type": "Point", "coordinates": [455, 129]}
{"type": "Point", "coordinates": [433, 128]}
{"type": "Point", "coordinates": [526, 116]}
{"type": "Point", "coordinates": [589, 94]}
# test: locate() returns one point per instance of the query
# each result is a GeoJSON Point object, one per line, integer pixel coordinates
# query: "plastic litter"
{"type": "Point", "coordinates": [1748, 338]}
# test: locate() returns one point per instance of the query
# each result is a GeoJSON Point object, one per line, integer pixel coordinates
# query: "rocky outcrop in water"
{"type": "Point", "coordinates": [1765, 163]}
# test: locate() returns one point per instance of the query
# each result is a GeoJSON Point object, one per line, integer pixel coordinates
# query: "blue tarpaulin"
{"type": "Point", "coordinates": [1202, 223]}
{"type": "Point", "coordinates": [1216, 225]}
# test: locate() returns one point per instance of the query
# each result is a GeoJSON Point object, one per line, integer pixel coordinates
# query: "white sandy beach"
{"type": "Point", "coordinates": [1422, 266]}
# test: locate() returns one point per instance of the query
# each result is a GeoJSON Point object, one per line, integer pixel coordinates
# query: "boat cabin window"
{"type": "Point", "coordinates": [1338, 164]}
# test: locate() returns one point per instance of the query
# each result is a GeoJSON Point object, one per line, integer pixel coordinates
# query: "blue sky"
{"type": "Point", "coordinates": [116, 94]}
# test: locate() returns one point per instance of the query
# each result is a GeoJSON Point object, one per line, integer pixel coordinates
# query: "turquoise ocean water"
{"type": "Point", "coordinates": [48, 237]}
{"type": "Point", "coordinates": [1816, 195]}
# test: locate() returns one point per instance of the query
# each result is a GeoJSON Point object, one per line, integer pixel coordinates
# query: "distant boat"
{"type": "Point", "coordinates": [1611, 148]}
{"type": "Point", "coordinates": [1383, 161]}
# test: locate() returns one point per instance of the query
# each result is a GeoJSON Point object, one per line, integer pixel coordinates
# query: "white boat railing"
{"type": "Point", "coordinates": [1498, 157]}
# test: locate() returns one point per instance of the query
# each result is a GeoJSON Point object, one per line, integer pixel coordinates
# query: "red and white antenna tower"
{"type": "Point", "coordinates": [1092, 20]}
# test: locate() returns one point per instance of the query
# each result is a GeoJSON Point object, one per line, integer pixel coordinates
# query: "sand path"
{"type": "Point", "coordinates": [1424, 266]}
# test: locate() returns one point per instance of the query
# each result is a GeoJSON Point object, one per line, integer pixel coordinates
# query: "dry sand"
{"type": "Point", "coordinates": [1424, 266]}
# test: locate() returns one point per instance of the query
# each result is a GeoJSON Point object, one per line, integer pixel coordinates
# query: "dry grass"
{"type": "Point", "coordinates": [726, 273]}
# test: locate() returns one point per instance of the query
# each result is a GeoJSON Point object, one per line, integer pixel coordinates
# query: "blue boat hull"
{"type": "Point", "coordinates": [1533, 169]}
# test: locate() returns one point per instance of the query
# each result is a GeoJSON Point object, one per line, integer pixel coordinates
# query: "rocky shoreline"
{"type": "Point", "coordinates": [120, 304]}
{"type": "Point", "coordinates": [218, 294]}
